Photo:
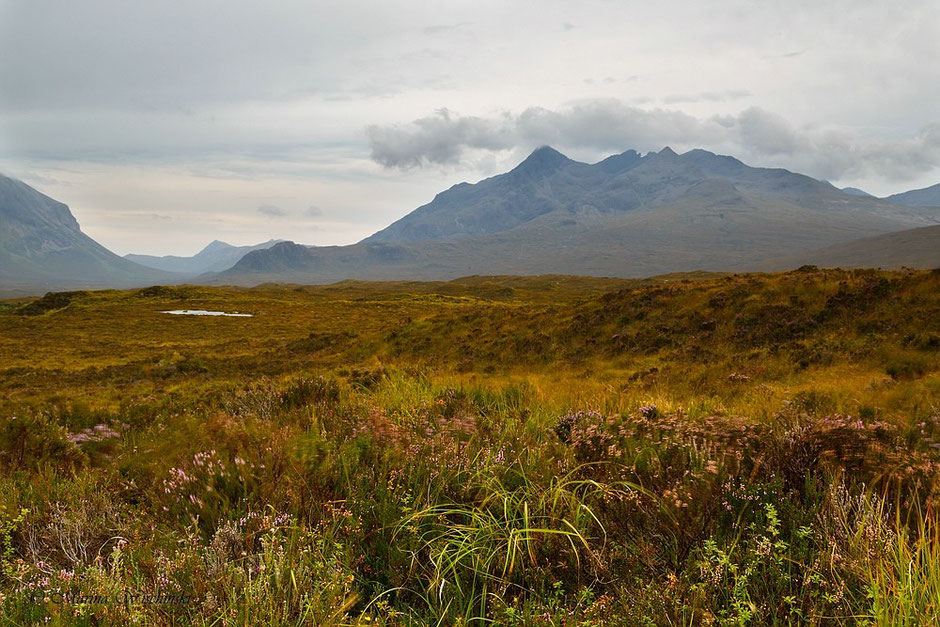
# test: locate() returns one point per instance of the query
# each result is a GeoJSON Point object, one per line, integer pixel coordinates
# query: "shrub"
{"type": "Point", "coordinates": [907, 366]}
{"type": "Point", "coordinates": [34, 441]}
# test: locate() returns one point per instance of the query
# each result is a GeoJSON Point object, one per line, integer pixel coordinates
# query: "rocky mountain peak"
{"type": "Point", "coordinates": [543, 161]}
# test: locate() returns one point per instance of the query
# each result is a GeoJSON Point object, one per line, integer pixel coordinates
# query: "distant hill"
{"type": "Point", "coordinates": [854, 191]}
{"type": "Point", "coordinates": [626, 216]}
{"type": "Point", "coordinates": [926, 197]}
{"type": "Point", "coordinates": [915, 248]}
{"type": "Point", "coordinates": [215, 257]}
{"type": "Point", "coordinates": [42, 246]}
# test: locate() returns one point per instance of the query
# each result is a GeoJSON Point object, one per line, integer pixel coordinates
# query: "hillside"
{"type": "Point", "coordinates": [626, 216]}
{"type": "Point", "coordinates": [926, 197]}
{"type": "Point", "coordinates": [215, 257]}
{"type": "Point", "coordinates": [915, 248]}
{"type": "Point", "coordinates": [856, 192]}
{"type": "Point", "coordinates": [42, 246]}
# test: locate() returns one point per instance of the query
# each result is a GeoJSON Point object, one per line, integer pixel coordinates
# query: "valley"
{"type": "Point", "coordinates": [628, 216]}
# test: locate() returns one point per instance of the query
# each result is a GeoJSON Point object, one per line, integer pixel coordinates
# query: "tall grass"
{"type": "Point", "coordinates": [904, 585]}
{"type": "Point", "coordinates": [506, 542]}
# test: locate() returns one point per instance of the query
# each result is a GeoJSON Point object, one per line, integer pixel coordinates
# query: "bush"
{"type": "Point", "coordinates": [34, 441]}
{"type": "Point", "coordinates": [907, 366]}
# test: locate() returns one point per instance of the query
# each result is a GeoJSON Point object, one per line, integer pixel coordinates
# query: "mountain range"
{"type": "Point", "coordinates": [629, 215]}
{"type": "Point", "coordinates": [215, 257]}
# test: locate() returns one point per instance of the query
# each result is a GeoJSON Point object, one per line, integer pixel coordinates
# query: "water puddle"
{"type": "Point", "coordinates": [203, 312]}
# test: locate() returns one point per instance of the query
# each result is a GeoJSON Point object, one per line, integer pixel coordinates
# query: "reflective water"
{"type": "Point", "coordinates": [203, 312]}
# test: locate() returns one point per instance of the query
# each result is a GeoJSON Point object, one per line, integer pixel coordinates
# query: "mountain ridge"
{"type": "Point", "coordinates": [43, 246]}
{"type": "Point", "coordinates": [924, 197]}
{"type": "Point", "coordinates": [547, 182]}
{"type": "Point", "coordinates": [627, 216]}
{"type": "Point", "coordinates": [214, 257]}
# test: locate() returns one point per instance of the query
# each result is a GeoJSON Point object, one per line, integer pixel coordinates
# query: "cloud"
{"type": "Point", "coordinates": [313, 212]}
{"type": "Point", "coordinates": [272, 211]}
{"type": "Point", "coordinates": [444, 138]}
{"type": "Point", "coordinates": [448, 139]}
{"type": "Point", "coordinates": [767, 133]}
{"type": "Point", "coordinates": [708, 96]}
{"type": "Point", "coordinates": [438, 29]}
{"type": "Point", "coordinates": [438, 139]}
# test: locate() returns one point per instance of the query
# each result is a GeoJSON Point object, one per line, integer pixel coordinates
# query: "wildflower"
{"type": "Point", "coordinates": [98, 433]}
{"type": "Point", "coordinates": [649, 411]}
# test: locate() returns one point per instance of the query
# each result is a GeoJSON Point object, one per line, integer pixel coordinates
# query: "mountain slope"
{"type": "Point", "coordinates": [854, 191]}
{"type": "Point", "coordinates": [550, 188]}
{"type": "Point", "coordinates": [926, 197]}
{"type": "Point", "coordinates": [215, 257]}
{"type": "Point", "coordinates": [915, 248]}
{"type": "Point", "coordinates": [626, 216]}
{"type": "Point", "coordinates": [42, 246]}
{"type": "Point", "coordinates": [497, 204]}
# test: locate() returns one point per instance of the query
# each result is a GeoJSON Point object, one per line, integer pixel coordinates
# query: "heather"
{"type": "Point", "coordinates": [703, 449]}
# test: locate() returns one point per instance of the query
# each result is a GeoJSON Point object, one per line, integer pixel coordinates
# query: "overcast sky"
{"type": "Point", "coordinates": [165, 125]}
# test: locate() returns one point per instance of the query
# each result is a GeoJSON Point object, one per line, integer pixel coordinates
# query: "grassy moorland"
{"type": "Point", "coordinates": [747, 449]}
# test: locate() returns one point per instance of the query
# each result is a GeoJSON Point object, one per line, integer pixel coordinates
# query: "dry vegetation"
{"type": "Point", "coordinates": [701, 449]}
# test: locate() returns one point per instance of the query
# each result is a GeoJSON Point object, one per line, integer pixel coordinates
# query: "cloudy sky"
{"type": "Point", "coordinates": [167, 124]}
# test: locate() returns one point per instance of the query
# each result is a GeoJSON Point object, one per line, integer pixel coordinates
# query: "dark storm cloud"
{"type": "Point", "coordinates": [445, 138]}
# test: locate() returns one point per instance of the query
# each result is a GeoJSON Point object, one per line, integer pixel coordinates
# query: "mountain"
{"type": "Point", "coordinates": [281, 257]}
{"type": "Point", "coordinates": [626, 216]}
{"type": "Point", "coordinates": [548, 188]}
{"type": "Point", "coordinates": [497, 204]}
{"type": "Point", "coordinates": [854, 191]}
{"type": "Point", "coordinates": [42, 246]}
{"type": "Point", "coordinates": [926, 197]}
{"type": "Point", "coordinates": [914, 248]}
{"type": "Point", "coordinates": [215, 257]}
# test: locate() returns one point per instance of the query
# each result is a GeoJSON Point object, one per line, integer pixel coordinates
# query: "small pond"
{"type": "Point", "coordinates": [203, 312]}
